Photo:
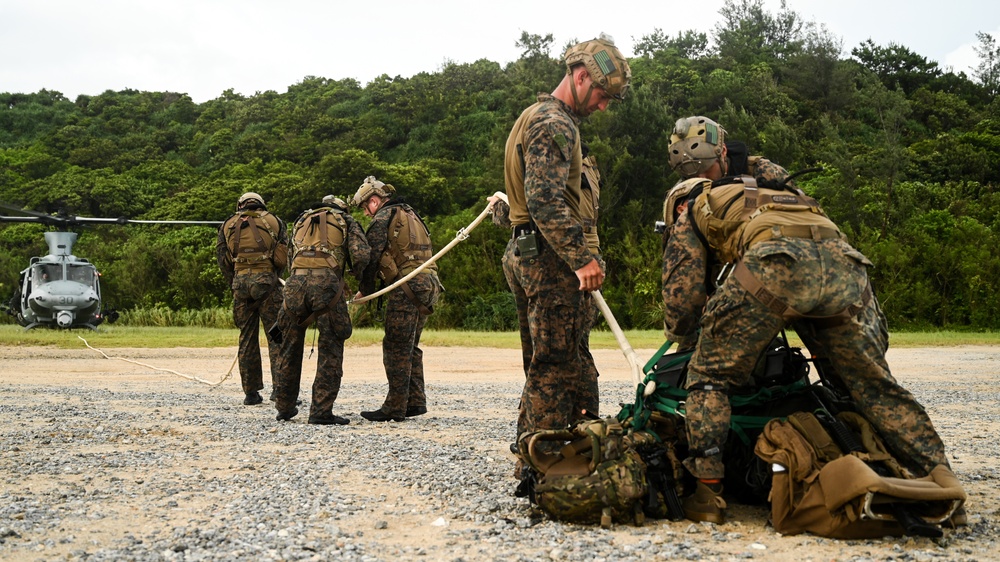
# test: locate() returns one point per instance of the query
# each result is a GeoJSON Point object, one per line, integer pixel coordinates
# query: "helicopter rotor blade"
{"type": "Point", "coordinates": [71, 220]}
{"type": "Point", "coordinates": [123, 220]}
{"type": "Point", "coordinates": [16, 209]}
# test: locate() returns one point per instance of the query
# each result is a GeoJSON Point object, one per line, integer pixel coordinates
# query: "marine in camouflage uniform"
{"type": "Point", "coordinates": [549, 207]}
{"type": "Point", "coordinates": [588, 389]}
{"type": "Point", "coordinates": [252, 269]}
{"type": "Point", "coordinates": [792, 267]}
{"type": "Point", "coordinates": [315, 292]}
{"type": "Point", "coordinates": [400, 243]}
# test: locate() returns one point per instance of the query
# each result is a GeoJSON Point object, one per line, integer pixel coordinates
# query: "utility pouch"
{"type": "Point", "coordinates": [527, 245]}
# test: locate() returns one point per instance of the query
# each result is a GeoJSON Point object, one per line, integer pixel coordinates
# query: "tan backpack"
{"type": "Point", "coordinates": [318, 240]}
{"type": "Point", "coordinates": [409, 245]}
{"type": "Point", "coordinates": [864, 493]}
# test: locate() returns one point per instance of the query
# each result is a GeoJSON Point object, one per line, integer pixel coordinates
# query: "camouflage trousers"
{"type": "Point", "coordinates": [554, 316]}
{"type": "Point", "coordinates": [256, 299]}
{"type": "Point", "coordinates": [304, 295]}
{"type": "Point", "coordinates": [401, 354]}
{"type": "Point", "coordinates": [818, 279]}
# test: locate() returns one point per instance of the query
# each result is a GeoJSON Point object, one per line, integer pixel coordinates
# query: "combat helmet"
{"type": "Point", "coordinates": [605, 63]}
{"type": "Point", "coordinates": [334, 201]}
{"type": "Point", "coordinates": [247, 197]}
{"type": "Point", "coordinates": [695, 144]}
{"type": "Point", "coordinates": [369, 187]}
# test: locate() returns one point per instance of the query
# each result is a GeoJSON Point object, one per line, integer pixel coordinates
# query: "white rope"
{"type": "Point", "coordinates": [462, 234]}
{"type": "Point", "coordinates": [633, 359]}
{"type": "Point", "coordinates": [189, 377]}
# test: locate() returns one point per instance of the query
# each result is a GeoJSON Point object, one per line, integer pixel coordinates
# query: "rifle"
{"type": "Point", "coordinates": [659, 476]}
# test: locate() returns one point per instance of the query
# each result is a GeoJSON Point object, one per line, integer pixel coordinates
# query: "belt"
{"type": "Point", "coordinates": [817, 233]}
{"type": "Point", "coordinates": [312, 271]}
{"type": "Point", "coordinates": [521, 229]}
{"type": "Point", "coordinates": [810, 232]}
{"type": "Point", "coordinates": [259, 269]}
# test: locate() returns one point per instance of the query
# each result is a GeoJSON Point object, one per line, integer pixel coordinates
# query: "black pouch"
{"type": "Point", "coordinates": [527, 245]}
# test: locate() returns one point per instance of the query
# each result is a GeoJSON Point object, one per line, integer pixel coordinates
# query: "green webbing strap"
{"type": "Point", "coordinates": [668, 399]}
{"type": "Point", "coordinates": [656, 357]}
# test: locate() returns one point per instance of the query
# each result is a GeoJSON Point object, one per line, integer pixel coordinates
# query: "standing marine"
{"type": "Point", "coordinates": [400, 243]}
{"type": "Point", "coordinates": [553, 258]}
{"type": "Point", "coordinates": [252, 251]}
{"type": "Point", "coordinates": [326, 243]}
{"type": "Point", "coordinates": [791, 267]}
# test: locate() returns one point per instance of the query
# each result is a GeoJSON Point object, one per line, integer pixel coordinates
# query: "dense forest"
{"type": "Point", "coordinates": [910, 154]}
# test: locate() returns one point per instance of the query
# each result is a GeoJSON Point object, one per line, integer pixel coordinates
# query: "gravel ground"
{"type": "Point", "coordinates": [109, 460]}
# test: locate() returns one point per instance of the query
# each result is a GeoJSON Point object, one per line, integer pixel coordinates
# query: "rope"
{"type": "Point", "coordinates": [189, 377]}
{"type": "Point", "coordinates": [462, 234]}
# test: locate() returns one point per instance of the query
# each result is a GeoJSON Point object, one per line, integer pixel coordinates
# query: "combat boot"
{"type": "Point", "coordinates": [329, 419]}
{"type": "Point", "coordinates": [285, 416]}
{"type": "Point", "coordinates": [252, 399]}
{"type": "Point", "coordinates": [416, 411]}
{"type": "Point", "coordinates": [380, 416]}
{"type": "Point", "coordinates": [706, 504]}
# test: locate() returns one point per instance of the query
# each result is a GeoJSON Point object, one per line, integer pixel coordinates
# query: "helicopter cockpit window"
{"type": "Point", "coordinates": [47, 272]}
{"type": "Point", "coordinates": [81, 274]}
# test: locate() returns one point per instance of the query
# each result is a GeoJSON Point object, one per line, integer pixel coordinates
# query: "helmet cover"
{"type": "Point", "coordinates": [606, 65]}
{"type": "Point", "coordinates": [369, 187]}
{"type": "Point", "coordinates": [695, 144]}
{"type": "Point", "coordinates": [249, 196]}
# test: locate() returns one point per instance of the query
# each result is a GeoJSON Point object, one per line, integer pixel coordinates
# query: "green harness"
{"type": "Point", "coordinates": [670, 399]}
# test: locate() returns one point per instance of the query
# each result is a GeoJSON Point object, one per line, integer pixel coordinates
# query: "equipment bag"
{"type": "Point", "coordinates": [586, 474]}
{"type": "Point", "coordinates": [780, 386]}
{"type": "Point", "coordinates": [829, 482]}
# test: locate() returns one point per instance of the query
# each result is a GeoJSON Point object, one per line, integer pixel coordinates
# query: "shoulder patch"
{"type": "Point", "coordinates": [561, 141]}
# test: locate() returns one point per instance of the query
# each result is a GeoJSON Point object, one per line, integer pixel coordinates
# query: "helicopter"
{"type": "Point", "coordinates": [61, 290]}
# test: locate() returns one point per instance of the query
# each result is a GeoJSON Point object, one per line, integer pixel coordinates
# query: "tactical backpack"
{"type": "Point", "coordinates": [318, 240]}
{"type": "Point", "coordinates": [252, 240]}
{"type": "Point", "coordinates": [408, 246]}
{"type": "Point", "coordinates": [590, 473]}
{"type": "Point", "coordinates": [833, 477]}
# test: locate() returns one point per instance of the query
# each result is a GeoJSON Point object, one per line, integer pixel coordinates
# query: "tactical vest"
{"type": "Point", "coordinates": [678, 194]}
{"type": "Point", "coordinates": [734, 216]}
{"type": "Point", "coordinates": [408, 246]}
{"type": "Point", "coordinates": [514, 168]}
{"type": "Point", "coordinates": [252, 237]}
{"type": "Point", "coordinates": [318, 240]}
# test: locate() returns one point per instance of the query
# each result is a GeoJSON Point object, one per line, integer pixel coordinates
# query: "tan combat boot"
{"type": "Point", "coordinates": [706, 504]}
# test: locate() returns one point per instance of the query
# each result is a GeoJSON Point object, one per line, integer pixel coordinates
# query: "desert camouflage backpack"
{"type": "Point", "coordinates": [588, 473]}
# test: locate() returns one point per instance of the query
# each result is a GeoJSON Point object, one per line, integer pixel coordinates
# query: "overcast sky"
{"type": "Point", "coordinates": [204, 47]}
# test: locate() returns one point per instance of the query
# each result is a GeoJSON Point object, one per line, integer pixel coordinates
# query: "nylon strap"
{"type": "Point", "coordinates": [753, 286]}
{"type": "Point", "coordinates": [413, 298]}
{"type": "Point", "coordinates": [317, 313]}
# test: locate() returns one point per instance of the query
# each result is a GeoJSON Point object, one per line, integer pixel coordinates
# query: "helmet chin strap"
{"type": "Point", "coordinates": [580, 107]}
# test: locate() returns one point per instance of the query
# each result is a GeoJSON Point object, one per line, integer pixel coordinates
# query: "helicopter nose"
{"type": "Point", "coordinates": [64, 318]}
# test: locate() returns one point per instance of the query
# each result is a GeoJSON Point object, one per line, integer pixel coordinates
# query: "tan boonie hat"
{"type": "Point", "coordinates": [695, 144]}
{"type": "Point", "coordinates": [605, 63]}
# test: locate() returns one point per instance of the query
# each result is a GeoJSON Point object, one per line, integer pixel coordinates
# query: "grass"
{"type": "Point", "coordinates": [124, 336]}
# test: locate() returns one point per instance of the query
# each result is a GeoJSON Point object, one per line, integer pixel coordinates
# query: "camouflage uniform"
{"type": "Point", "coordinates": [317, 292]}
{"type": "Point", "coordinates": [256, 297]}
{"type": "Point", "coordinates": [799, 258]}
{"type": "Point", "coordinates": [542, 174]}
{"type": "Point", "coordinates": [404, 318]}
{"type": "Point", "coordinates": [589, 398]}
